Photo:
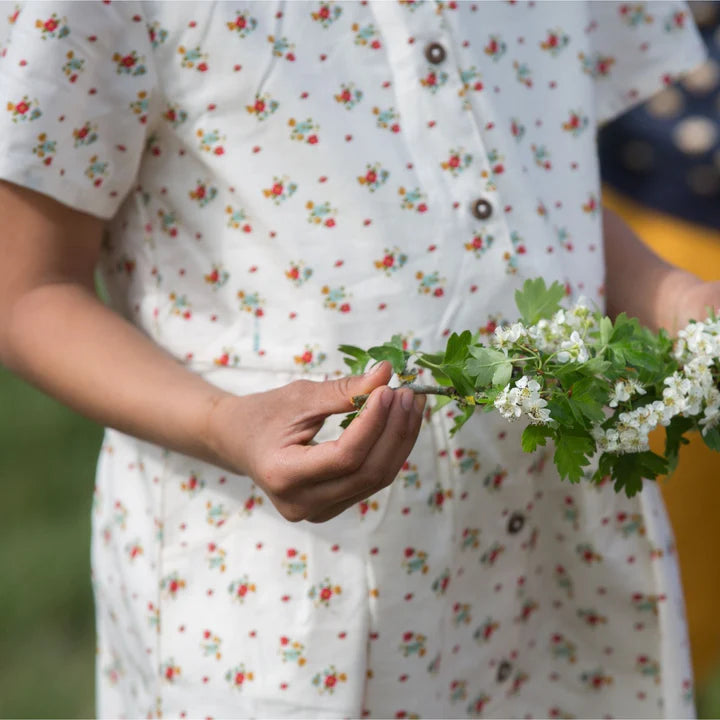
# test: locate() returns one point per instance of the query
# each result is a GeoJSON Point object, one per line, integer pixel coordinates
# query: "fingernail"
{"type": "Point", "coordinates": [386, 397]}
{"type": "Point", "coordinates": [419, 403]}
{"type": "Point", "coordinates": [407, 399]}
{"type": "Point", "coordinates": [374, 369]}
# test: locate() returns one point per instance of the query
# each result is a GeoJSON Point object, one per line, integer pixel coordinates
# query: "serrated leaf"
{"type": "Point", "coordinates": [440, 402]}
{"type": "Point", "coordinates": [588, 397]}
{"type": "Point", "coordinates": [571, 454]}
{"type": "Point", "coordinates": [460, 380]}
{"type": "Point", "coordinates": [483, 364]}
{"type": "Point", "coordinates": [536, 301]}
{"type": "Point", "coordinates": [394, 355]}
{"type": "Point", "coordinates": [630, 470]}
{"type": "Point", "coordinates": [712, 439]}
{"type": "Point", "coordinates": [674, 433]}
{"type": "Point", "coordinates": [606, 328]}
{"type": "Point", "coordinates": [457, 347]}
{"type": "Point", "coordinates": [459, 420]}
{"type": "Point", "coordinates": [503, 373]}
{"type": "Point", "coordinates": [534, 435]}
{"type": "Point", "coordinates": [348, 419]}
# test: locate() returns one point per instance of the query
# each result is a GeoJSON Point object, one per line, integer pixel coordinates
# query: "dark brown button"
{"type": "Point", "coordinates": [435, 53]}
{"type": "Point", "coordinates": [503, 671]}
{"type": "Point", "coordinates": [515, 523]}
{"type": "Point", "coordinates": [481, 209]}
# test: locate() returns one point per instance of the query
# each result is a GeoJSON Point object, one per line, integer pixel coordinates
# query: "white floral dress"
{"type": "Point", "coordinates": [283, 177]}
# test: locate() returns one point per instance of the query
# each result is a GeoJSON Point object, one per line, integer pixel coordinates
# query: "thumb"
{"type": "Point", "coordinates": [336, 396]}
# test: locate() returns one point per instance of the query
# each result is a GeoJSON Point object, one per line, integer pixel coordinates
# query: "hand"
{"type": "Point", "coordinates": [268, 437]}
{"type": "Point", "coordinates": [695, 301]}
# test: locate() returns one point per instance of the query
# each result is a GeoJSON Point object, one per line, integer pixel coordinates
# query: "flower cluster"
{"type": "Point", "coordinates": [524, 398]}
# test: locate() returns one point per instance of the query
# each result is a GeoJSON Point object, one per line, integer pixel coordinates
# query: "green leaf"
{"type": "Point", "coordinates": [712, 439]}
{"type": "Point", "coordinates": [391, 353]}
{"type": "Point", "coordinates": [588, 397]}
{"type": "Point", "coordinates": [457, 347]}
{"type": "Point", "coordinates": [534, 435]}
{"type": "Point", "coordinates": [440, 402]}
{"type": "Point", "coordinates": [483, 365]}
{"type": "Point", "coordinates": [348, 419]}
{"type": "Point", "coordinates": [358, 360]}
{"type": "Point", "coordinates": [461, 382]}
{"type": "Point", "coordinates": [630, 470]}
{"type": "Point", "coordinates": [674, 433]}
{"type": "Point", "coordinates": [571, 454]}
{"type": "Point", "coordinates": [536, 301]}
{"type": "Point", "coordinates": [503, 373]}
{"type": "Point", "coordinates": [459, 420]}
{"type": "Point", "coordinates": [606, 328]}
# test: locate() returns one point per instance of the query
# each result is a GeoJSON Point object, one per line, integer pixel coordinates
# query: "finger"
{"type": "Point", "coordinates": [382, 464]}
{"type": "Point", "coordinates": [335, 396]}
{"type": "Point", "coordinates": [310, 464]}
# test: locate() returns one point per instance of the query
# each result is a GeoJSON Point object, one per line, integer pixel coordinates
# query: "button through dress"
{"type": "Point", "coordinates": [280, 178]}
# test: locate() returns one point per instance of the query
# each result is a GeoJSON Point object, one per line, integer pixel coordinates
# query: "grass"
{"type": "Point", "coordinates": [47, 463]}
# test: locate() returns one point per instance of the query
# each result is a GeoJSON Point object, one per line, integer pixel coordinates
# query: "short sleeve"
{"type": "Point", "coordinates": [76, 84]}
{"type": "Point", "coordinates": [637, 49]}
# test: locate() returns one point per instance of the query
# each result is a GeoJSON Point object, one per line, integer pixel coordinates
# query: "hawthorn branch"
{"type": "Point", "coordinates": [359, 400]}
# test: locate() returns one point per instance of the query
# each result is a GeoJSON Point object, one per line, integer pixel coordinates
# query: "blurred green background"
{"type": "Point", "coordinates": [47, 463]}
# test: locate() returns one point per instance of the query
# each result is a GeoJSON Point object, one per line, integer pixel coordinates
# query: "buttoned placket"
{"type": "Point", "coordinates": [420, 44]}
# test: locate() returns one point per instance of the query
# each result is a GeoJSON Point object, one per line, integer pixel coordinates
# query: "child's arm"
{"type": "Point", "coordinates": [643, 285]}
{"type": "Point", "coordinates": [55, 333]}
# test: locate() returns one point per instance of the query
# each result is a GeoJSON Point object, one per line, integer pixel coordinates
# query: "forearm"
{"type": "Point", "coordinates": [639, 282]}
{"type": "Point", "coordinates": [59, 337]}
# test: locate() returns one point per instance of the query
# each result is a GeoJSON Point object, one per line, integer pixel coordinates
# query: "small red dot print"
{"type": "Point", "coordinates": [432, 248]}
{"type": "Point", "coordinates": [409, 166]}
{"type": "Point", "coordinates": [366, 222]}
{"type": "Point", "coordinates": [639, 626]}
{"type": "Point", "coordinates": [181, 628]}
{"type": "Point", "coordinates": [552, 84]}
{"type": "Point", "coordinates": [23, 63]}
{"type": "Point", "coordinates": [272, 233]}
{"type": "Point", "coordinates": [183, 714]}
{"type": "Point", "coordinates": [283, 686]}
{"type": "Point", "coordinates": [137, 18]}
{"type": "Point", "coordinates": [304, 96]}
{"type": "Point", "coordinates": [342, 635]}
{"type": "Point", "coordinates": [406, 511]}
{"type": "Point", "coordinates": [456, 205]}
{"type": "Point", "coordinates": [335, 548]}
{"type": "Point", "coordinates": [573, 166]}
{"type": "Point", "coordinates": [292, 315]}
{"type": "Point", "coordinates": [256, 149]}
{"type": "Point", "coordinates": [61, 118]}
{"type": "Point", "coordinates": [402, 678]}
{"type": "Point", "coordinates": [339, 263]}
{"type": "Point", "coordinates": [92, 38]}
{"type": "Point", "coordinates": [473, 288]}
{"type": "Point", "coordinates": [206, 679]}
{"type": "Point", "coordinates": [631, 559]}
{"type": "Point", "coordinates": [382, 306]}
{"type": "Point", "coordinates": [498, 587]}
{"type": "Point", "coordinates": [252, 269]}
{"type": "Point", "coordinates": [192, 24]}
{"type": "Point", "coordinates": [209, 592]}
{"type": "Point", "coordinates": [490, 126]}
{"type": "Point", "coordinates": [348, 138]}
{"type": "Point", "coordinates": [285, 598]}
{"type": "Point", "coordinates": [259, 546]}
{"type": "Point", "coordinates": [411, 40]}
{"type": "Point", "coordinates": [374, 551]}
{"type": "Point", "coordinates": [322, 179]}
{"type": "Point", "coordinates": [521, 40]}
{"type": "Point", "coordinates": [431, 123]}
{"type": "Point", "coordinates": [92, 91]}
{"type": "Point", "coordinates": [408, 597]}
{"type": "Point", "coordinates": [181, 271]}
{"type": "Point", "coordinates": [211, 107]}
{"type": "Point", "coordinates": [386, 84]}
{"type": "Point", "coordinates": [120, 148]}
{"type": "Point", "coordinates": [237, 68]}
{"type": "Point", "coordinates": [252, 633]}
{"type": "Point", "coordinates": [278, 14]}
{"type": "Point", "coordinates": [374, 635]}
{"type": "Point", "coordinates": [466, 43]}
{"type": "Point", "coordinates": [183, 526]}
{"type": "Point", "coordinates": [323, 57]}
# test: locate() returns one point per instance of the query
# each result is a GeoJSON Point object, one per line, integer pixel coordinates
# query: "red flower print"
{"type": "Point", "coordinates": [330, 681]}
{"type": "Point", "coordinates": [388, 261]}
{"type": "Point", "coordinates": [127, 61]}
{"type": "Point", "coordinates": [51, 25]}
{"type": "Point", "coordinates": [292, 552]}
{"type": "Point", "coordinates": [345, 307]}
{"type": "Point", "coordinates": [277, 189]}
{"type": "Point", "coordinates": [324, 12]}
{"type": "Point", "coordinates": [325, 593]}
{"type": "Point", "coordinates": [307, 357]}
{"type": "Point", "coordinates": [239, 678]}
{"type": "Point", "coordinates": [22, 107]}
{"type": "Point", "coordinates": [240, 22]}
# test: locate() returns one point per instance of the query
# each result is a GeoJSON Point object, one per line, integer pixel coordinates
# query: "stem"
{"type": "Point", "coordinates": [359, 400]}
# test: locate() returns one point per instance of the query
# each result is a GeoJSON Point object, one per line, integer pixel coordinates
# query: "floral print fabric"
{"type": "Point", "coordinates": [280, 178]}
